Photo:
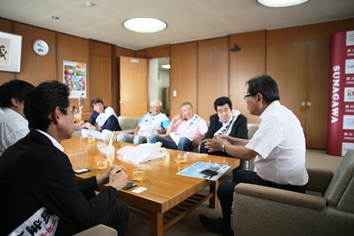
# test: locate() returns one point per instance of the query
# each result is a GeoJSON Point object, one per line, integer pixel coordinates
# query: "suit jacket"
{"type": "Point", "coordinates": [239, 130]}
{"type": "Point", "coordinates": [34, 173]}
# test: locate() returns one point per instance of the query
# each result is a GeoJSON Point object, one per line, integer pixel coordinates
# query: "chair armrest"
{"type": "Point", "coordinates": [100, 229]}
{"type": "Point", "coordinates": [319, 179]}
{"type": "Point", "coordinates": [284, 196]}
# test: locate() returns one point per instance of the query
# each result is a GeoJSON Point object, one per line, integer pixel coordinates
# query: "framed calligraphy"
{"type": "Point", "coordinates": [10, 52]}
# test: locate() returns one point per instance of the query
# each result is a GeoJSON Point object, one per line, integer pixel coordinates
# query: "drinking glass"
{"type": "Point", "coordinates": [101, 164]}
{"type": "Point", "coordinates": [138, 174]}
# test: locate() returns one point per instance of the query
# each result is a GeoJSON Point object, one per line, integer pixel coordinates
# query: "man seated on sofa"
{"type": "Point", "coordinates": [105, 118]}
{"type": "Point", "coordinates": [185, 130]}
{"type": "Point", "coordinates": [278, 147]}
{"type": "Point", "coordinates": [228, 122]}
{"type": "Point", "coordinates": [153, 122]}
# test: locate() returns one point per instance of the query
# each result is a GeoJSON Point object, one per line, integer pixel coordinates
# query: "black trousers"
{"type": "Point", "coordinates": [226, 190]}
{"type": "Point", "coordinates": [116, 217]}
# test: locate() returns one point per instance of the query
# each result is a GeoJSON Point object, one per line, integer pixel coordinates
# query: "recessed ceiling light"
{"type": "Point", "coordinates": [281, 3]}
{"type": "Point", "coordinates": [89, 4]}
{"type": "Point", "coordinates": [145, 25]}
{"type": "Point", "coordinates": [167, 66]}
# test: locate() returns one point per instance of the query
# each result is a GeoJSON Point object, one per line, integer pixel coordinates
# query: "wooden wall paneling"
{"type": "Point", "coordinates": [309, 32]}
{"type": "Point", "coordinates": [183, 76]}
{"type": "Point", "coordinates": [101, 79]}
{"type": "Point", "coordinates": [101, 72]}
{"type": "Point", "coordinates": [317, 90]}
{"type": "Point", "coordinates": [141, 53]}
{"type": "Point", "coordinates": [245, 64]}
{"type": "Point", "coordinates": [124, 52]}
{"type": "Point", "coordinates": [34, 68]}
{"type": "Point", "coordinates": [157, 52]}
{"type": "Point", "coordinates": [6, 26]}
{"type": "Point", "coordinates": [71, 48]}
{"type": "Point", "coordinates": [213, 74]}
{"type": "Point", "coordinates": [100, 49]}
{"type": "Point", "coordinates": [287, 64]}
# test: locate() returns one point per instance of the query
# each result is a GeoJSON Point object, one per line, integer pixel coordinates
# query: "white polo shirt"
{"type": "Point", "coordinates": [12, 128]}
{"type": "Point", "coordinates": [280, 144]}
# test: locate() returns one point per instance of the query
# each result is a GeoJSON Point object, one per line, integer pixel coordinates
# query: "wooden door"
{"type": "Point", "coordinates": [317, 91]}
{"type": "Point", "coordinates": [133, 86]}
{"type": "Point", "coordinates": [287, 64]}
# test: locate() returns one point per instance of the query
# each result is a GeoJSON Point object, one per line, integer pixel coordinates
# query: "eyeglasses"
{"type": "Point", "coordinates": [72, 110]}
{"type": "Point", "coordinates": [246, 97]}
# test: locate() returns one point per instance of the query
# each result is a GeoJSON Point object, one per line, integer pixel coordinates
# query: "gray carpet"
{"type": "Point", "coordinates": [190, 225]}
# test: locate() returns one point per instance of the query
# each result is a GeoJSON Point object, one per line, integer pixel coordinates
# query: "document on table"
{"type": "Point", "coordinates": [195, 169]}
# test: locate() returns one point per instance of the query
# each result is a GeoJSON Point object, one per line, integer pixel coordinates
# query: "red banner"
{"type": "Point", "coordinates": [340, 136]}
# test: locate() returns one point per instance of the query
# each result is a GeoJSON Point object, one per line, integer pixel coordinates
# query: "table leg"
{"type": "Point", "coordinates": [156, 224]}
{"type": "Point", "coordinates": [213, 202]}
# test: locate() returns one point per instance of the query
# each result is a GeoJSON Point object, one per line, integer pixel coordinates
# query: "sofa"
{"type": "Point", "coordinates": [100, 229]}
{"type": "Point", "coordinates": [127, 124]}
{"type": "Point", "coordinates": [327, 207]}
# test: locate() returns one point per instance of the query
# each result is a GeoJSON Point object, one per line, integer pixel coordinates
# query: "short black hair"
{"type": "Point", "coordinates": [41, 101]}
{"type": "Point", "coordinates": [265, 85]}
{"type": "Point", "coordinates": [13, 89]}
{"type": "Point", "coordinates": [96, 100]}
{"type": "Point", "coordinates": [222, 101]}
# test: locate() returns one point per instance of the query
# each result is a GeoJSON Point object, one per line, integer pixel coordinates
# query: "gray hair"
{"type": "Point", "coordinates": [155, 101]}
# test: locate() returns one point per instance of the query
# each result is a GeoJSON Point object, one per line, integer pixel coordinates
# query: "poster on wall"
{"type": "Point", "coordinates": [10, 52]}
{"type": "Point", "coordinates": [74, 76]}
{"type": "Point", "coordinates": [340, 135]}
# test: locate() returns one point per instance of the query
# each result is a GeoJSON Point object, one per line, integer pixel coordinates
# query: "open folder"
{"type": "Point", "coordinates": [196, 169]}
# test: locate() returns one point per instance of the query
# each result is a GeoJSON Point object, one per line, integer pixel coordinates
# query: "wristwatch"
{"type": "Point", "coordinates": [223, 146]}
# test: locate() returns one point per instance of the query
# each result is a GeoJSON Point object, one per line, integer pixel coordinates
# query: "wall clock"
{"type": "Point", "coordinates": [40, 47]}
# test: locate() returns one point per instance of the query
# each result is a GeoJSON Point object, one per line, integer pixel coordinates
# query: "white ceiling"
{"type": "Point", "coordinates": [188, 20]}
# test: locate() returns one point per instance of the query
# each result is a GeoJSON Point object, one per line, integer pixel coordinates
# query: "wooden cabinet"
{"type": "Point", "coordinates": [301, 71]}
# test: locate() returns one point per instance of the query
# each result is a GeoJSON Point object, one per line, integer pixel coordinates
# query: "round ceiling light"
{"type": "Point", "coordinates": [145, 25]}
{"type": "Point", "coordinates": [281, 3]}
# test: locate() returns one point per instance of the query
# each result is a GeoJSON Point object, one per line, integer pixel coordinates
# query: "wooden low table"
{"type": "Point", "coordinates": [168, 197]}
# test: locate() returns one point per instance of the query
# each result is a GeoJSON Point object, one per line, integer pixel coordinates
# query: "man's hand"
{"type": "Point", "coordinates": [214, 145]}
{"type": "Point", "coordinates": [104, 178]}
{"type": "Point", "coordinates": [118, 178]}
{"type": "Point", "coordinates": [177, 118]}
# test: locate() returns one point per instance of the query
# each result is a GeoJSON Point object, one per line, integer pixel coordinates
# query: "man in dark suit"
{"type": "Point", "coordinates": [39, 193]}
{"type": "Point", "coordinates": [226, 121]}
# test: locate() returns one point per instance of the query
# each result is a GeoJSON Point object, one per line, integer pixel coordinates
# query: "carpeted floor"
{"type": "Point", "coordinates": [191, 226]}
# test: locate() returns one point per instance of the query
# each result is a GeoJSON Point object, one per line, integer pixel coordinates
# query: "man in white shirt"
{"type": "Point", "coordinates": [186, 130]}
{"type": "Point", "coordinates": [13, 125]}
{"type": "Point", "coordinates": [278, 147]}
{"type": "Point", "coordinates": [153, 122]}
